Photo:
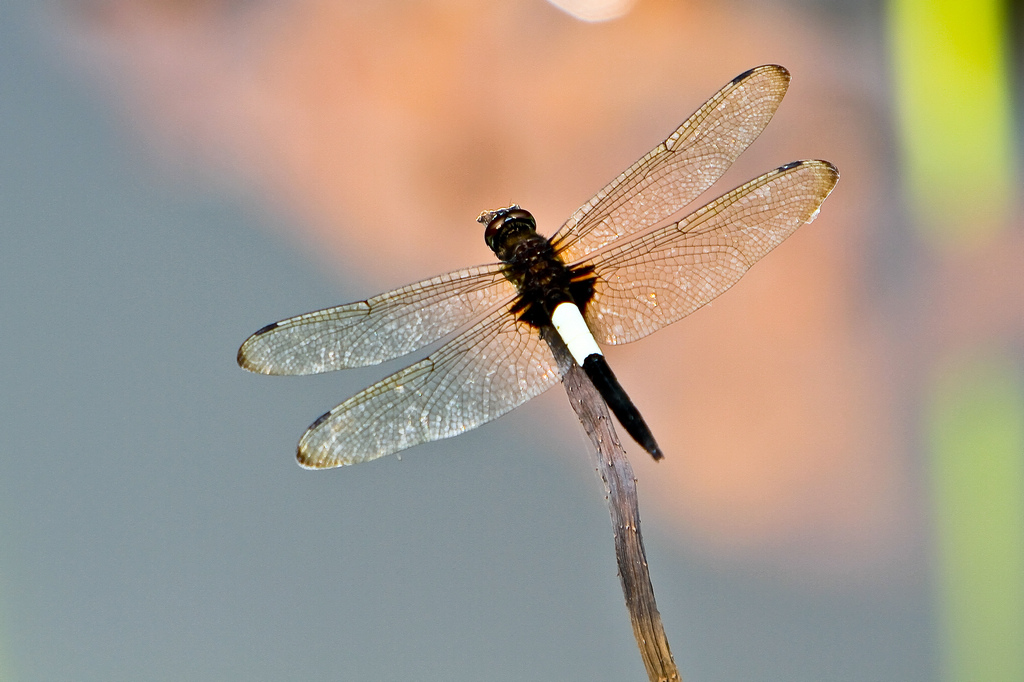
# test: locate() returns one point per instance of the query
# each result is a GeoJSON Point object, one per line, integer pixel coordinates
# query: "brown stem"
{"type": "Point", "coordinates": [620, 486]}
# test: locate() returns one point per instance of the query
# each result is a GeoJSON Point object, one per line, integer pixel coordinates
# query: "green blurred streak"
{"type": "Point", "coordinates": [976, 431]}
{"type": "Point", "coordinates": [951, 83]}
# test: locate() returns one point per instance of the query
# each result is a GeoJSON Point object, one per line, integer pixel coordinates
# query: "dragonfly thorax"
{"type": "Point", "coordinates": [532, 264]}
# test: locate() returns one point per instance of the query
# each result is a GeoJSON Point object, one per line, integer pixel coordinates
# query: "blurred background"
{"type": "Point", "coordinates": [843, 493]}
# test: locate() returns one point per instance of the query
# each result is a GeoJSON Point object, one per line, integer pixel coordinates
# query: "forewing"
{"type": "Point", "coordinates": [657, 278]}
{"type": "Point", "coordinates": [492, 367]}
{"type": "Point", "coordinates": [377, 329]}
{"type": "Point", "coordinates": [679, 169]}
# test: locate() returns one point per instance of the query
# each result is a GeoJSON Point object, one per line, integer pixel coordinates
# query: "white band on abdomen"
{"type": "Point", "coordinates": [575, 334]}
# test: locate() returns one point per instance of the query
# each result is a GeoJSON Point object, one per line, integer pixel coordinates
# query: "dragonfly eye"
{"type": "Point", "coordinates": [506, 218]}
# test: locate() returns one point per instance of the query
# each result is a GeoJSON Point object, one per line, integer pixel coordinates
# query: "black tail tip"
{"type": "Point", "coordinates": [652, 448]}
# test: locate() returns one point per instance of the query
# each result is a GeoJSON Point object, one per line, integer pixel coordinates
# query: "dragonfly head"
{"type": "Point", "coordinates": [506, 227]}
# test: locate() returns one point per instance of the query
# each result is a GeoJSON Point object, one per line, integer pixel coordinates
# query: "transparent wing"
{"type": "Point", "coordinates": [657, 278]}
{"type": "Point", "coordinates": [679, 169]}
{"type": "Point", "coordinates": [377, 329]}
{"type": "Point", "coordinates": [491, 368]}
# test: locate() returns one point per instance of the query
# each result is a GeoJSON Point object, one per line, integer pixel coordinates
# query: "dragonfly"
{"type": "Point", "coordinates": [617, 270]}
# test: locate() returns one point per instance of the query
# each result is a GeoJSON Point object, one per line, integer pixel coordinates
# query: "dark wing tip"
{"type": "Point", "coordinates": [780, 70]}
{"type": "Point", "coordinates": [307, 458]}
{"type": "Point", "coordinates": [828, 166]}
{"type": "Point", "coordinates": [245, 361]}
{"type": "Point", "coordinates": [264, 330]}
{"type": "Point", "coordinates": [319, 420]}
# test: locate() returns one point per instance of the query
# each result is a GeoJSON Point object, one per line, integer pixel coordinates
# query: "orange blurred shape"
{"type": "Point", "coordinates": [387, 127]}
